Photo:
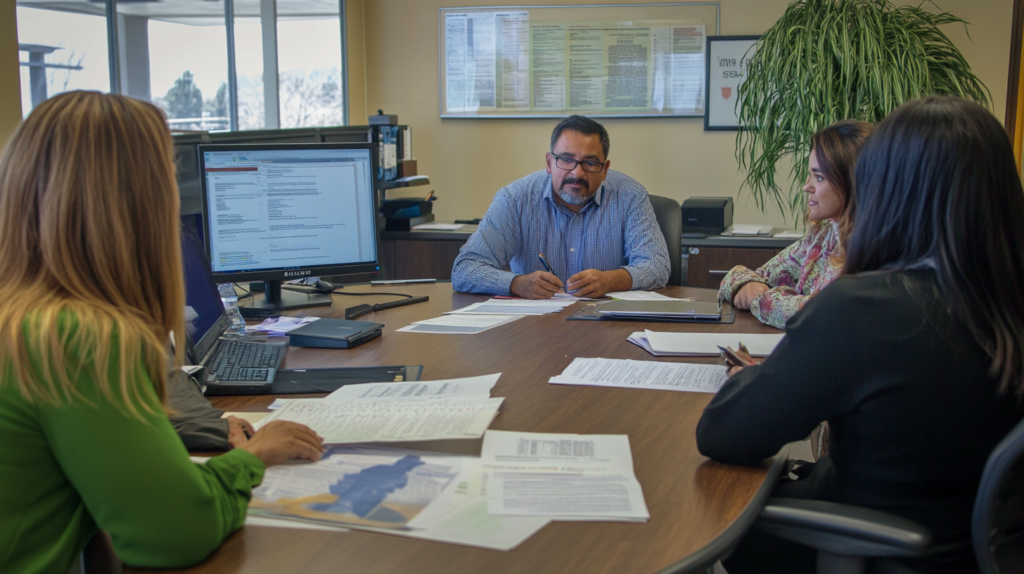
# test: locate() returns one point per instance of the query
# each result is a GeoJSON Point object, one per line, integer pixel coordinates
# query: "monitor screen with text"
{"type": "Point", "coordinates": [288, 210]}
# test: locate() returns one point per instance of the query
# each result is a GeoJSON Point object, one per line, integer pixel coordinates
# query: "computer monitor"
{"type": "Point", "coordinates": [277, 212]}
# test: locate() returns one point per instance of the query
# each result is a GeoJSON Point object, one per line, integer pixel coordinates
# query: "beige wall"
{"type": "Point", "coordinates": [393, 66]}
{"type": "Point", "coordinates": [468, 160]}
{"type": "Point", "coordinates": [10, 79]}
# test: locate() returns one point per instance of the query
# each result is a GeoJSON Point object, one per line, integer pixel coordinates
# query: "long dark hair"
{"type": "Point", "coordinates": [837, 147]}
{"type": "Point", "coordinates": [937, 183]}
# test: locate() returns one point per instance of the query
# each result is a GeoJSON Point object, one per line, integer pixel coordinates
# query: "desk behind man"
{"type": "Point", "coordinates": [595, 227]}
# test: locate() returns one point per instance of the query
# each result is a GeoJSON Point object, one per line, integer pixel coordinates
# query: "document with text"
{"type": "Point", "coordinates": [464, 388]}
{"type": "Point", "coordinates": [390, 420]}
{"type": "Point", "coordinates": [560, 476]}
{"type": "Point", "coordinates": [643, 375]}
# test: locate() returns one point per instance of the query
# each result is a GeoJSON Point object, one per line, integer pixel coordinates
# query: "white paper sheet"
{"type": "Point", "coordinates": [503, 307]}
{"type": "Point", "coordinates": [459, 324]}
{"type": "Point", "coordinates": [560, 302]}
{"type": "Point", "coordinates": [465, 388]}
{"type": "Point", "coordinates": [706, 344]}
{"type": "Point", "coordinates": [561, 476]}
{"type": "Point", "coordinates": [463, 519]}
{"type": "Point", "coordinates": [643, 375]}
{"type": "Point", "coordinates": [644, 296]}
{"type": "Point", "coordinates": [390, 420]}
{"type": "Point", "coordinates": [789, 234]}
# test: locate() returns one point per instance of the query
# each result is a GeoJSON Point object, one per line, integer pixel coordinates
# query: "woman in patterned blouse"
{"type": "Point", "coordinates": [780, 287]}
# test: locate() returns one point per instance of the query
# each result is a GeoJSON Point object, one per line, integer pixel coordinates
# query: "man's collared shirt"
{"type": "Point", "coordinates": [615, 229]}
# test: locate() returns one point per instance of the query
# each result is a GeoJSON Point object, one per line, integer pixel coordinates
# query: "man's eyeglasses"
{"type": "Point", "coordinates": [569, 164]}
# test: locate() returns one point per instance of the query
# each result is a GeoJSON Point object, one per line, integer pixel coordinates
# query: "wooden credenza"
{"type": "Point", "coordinates": [421, 254]}
{"type": "Point", "coordinates": [707, 260]}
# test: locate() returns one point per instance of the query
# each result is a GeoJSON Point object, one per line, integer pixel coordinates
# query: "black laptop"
{"type": "Point", "coordinates": [230, 367]}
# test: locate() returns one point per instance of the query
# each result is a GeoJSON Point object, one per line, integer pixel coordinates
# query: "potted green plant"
{"type": "Point", "coordinates": [826, 60]}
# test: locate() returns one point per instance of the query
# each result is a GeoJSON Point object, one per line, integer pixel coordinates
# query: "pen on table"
{"type": "Point", "coordinates": [548, 268]}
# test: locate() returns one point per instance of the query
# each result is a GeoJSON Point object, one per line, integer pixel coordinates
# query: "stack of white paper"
{"type": "Point", "coordinates": [703, 344]}
{"type": "Point", "coordinates": [643, 375]}
{"type": "Point", "coordinates": [750, 229]}
{"type": "Point", "coordinates": [459, 324]}
{"type": "Point", "coordinates": [516, 307]}
{"type": "Point", "coordinates": [560, 476]}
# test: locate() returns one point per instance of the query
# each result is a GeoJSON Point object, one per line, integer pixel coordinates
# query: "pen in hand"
{"type": "Point", "coordinates": [548, 269]}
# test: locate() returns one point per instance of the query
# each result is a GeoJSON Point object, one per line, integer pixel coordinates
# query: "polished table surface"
{"type": "Point", "coordinates": [698, 507]}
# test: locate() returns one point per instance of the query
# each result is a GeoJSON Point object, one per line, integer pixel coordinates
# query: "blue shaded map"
{"type": "Point", "coordinates": [362, 492]}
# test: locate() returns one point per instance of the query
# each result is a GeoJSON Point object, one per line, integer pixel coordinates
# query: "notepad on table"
{"type": "Point", "coordinates": [702, 344]}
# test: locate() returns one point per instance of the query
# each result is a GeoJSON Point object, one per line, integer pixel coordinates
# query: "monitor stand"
{"type": "Point", "coordinates": [275, 300]}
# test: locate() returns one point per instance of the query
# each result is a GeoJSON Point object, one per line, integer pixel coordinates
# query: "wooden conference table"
{"type": "Point", "coordinates": [698, 508]}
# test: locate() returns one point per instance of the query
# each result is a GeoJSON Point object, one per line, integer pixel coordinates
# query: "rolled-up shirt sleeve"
{"type": "Point", "coordinates": [646, 251]}
{"type": "Point", "coordinates": [480, 266]}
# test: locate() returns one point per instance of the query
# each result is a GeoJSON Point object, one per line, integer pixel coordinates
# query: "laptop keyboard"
{"type": "Point", "coordinates": [236, 361]}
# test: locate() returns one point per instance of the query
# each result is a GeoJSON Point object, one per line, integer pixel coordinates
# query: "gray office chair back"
{"type": "Point", "coordinates": [670, 220]}
{"type": "Point", "coordinates": [997, 527]}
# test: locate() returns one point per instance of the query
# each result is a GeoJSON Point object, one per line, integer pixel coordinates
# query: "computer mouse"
{"type": "Point", "coordinates": [324, 286]}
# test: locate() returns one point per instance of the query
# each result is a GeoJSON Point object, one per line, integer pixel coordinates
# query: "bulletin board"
{"type": "Point", "coordinates": [608, 60]}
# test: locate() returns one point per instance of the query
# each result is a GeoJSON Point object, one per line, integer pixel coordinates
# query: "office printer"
{"type": "Point", "coordinates": [707, 215]}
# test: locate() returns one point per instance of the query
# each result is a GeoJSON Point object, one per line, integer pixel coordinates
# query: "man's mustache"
{"type": "Point", "coordinates": [570, 180]}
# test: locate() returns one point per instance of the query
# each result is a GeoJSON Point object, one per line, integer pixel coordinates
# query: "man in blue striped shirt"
{"type": "Point", "coordinates": [594, 227]}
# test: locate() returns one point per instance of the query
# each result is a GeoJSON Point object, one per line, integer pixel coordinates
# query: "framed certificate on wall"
{"type": "Point", "coordinates": [727, 61]}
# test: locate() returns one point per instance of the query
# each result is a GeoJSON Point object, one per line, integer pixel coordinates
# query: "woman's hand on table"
{"type": "Point", "coordinates": [747, 293]}
{"type": "Point", "coordinates": [279, 441]}
{"type": "Point", "coordinates": [239, 431]}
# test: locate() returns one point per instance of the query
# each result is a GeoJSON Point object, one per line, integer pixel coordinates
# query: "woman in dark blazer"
{"type": "Point", "coordinates": [916, 355]}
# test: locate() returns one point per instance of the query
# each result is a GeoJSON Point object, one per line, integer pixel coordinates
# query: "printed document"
{"type": "Point", "coordinates": [643, 375]}
{"type": "Point", "coordinates": [561, 476]}
{"type": "Point", "coordinates": [378, 487]}
{"type": "Point", "coordinates": [706, 344]}
{"type": "Point", "coordinates": [390, 420]}
{"type": "Point", "coordinates": [465, 388]}
{"type": "Point", "coordinates": [459, 324]}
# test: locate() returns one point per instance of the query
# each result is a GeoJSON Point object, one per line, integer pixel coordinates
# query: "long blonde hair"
{"type": "Point", "coordinates": [90, 264]}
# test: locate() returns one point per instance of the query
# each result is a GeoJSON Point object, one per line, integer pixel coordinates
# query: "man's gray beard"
{"type": "Point", "coordinates": [572, 198]}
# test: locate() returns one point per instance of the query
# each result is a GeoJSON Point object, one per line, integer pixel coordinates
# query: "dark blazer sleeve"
{"type": "Point", "coordinates": [199, 425]}
{"type": "Point", "coordinates": [801, 384]}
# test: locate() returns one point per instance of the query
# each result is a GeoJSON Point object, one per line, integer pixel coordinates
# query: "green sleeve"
{"type": "Point", "coordinates": [136, 479]}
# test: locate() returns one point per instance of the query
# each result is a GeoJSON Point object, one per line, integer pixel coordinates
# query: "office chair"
{"type": "Point", "coordinates": [846, 536]}
{"type": "Point", "coordinates": [670, 220]}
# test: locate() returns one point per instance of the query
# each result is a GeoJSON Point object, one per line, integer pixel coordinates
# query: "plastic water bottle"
{"type": "Point", "coordinates": [236, 324]}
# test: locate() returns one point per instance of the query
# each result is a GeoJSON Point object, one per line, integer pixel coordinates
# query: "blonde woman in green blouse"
{"type": "Point", "coordinates": [90, 289]}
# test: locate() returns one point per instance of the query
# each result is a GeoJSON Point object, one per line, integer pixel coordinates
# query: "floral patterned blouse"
{"type": "Point", "coordinates": [796, 273]}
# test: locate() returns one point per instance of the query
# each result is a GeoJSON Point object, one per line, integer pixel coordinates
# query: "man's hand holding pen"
{"type": "Point", "coordinates": [536, 285]}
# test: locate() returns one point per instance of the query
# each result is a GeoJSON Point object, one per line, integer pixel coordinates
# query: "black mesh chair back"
{"type": "Point", "coordinates": [997, 526]}
{"type": "Point", "coordinates": [670, 220]}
